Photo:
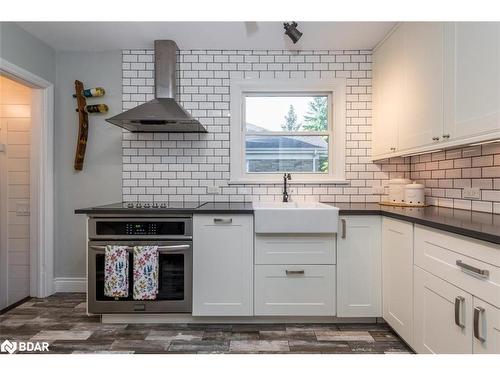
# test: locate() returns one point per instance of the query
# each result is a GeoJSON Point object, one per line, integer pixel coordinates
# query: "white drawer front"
{"type": "Point", "coordinates": [295, 249]}
{"type": "Point", "coordinates": [451, 257]}
{"type": "Point", "coordinates": [305, 291]}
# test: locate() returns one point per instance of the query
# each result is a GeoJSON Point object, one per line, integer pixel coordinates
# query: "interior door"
{"type": "Point", "coordinates": [442, 321]}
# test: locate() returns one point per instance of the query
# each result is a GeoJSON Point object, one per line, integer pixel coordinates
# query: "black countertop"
{"type": "Point", "coordinates": [478, 225]}
{"type": "Point", "coordinates": [172, 208]}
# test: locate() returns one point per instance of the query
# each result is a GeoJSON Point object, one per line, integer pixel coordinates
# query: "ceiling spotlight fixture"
{"type": "Point", "coordinates": [292, 32]}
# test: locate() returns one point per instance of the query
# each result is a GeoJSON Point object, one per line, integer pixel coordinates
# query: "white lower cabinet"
{"type": "Point", "coordinates": [300, 290]}
{"type": "Point", "coordinates": [442, 316]}
{"type": "Point", "coordinates": [222, 265]}
{"type": "Point", "coordinates": [457, 294]}
{"type": "Point", "coordinates": [359, 266]}
{"type": "Point", "coordinates": [397, 276]}
{"type": "Point", "coordinates": [486, 328]}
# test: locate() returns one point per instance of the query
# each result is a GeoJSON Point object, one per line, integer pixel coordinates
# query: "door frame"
{"type": "Point", "coordinates": [41, 178]}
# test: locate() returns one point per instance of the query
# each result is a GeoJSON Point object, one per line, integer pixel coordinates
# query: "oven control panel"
{"type": "Point", "coordinates": [151, 228]}
{"type": "Point", "coordinates": [141, 229]}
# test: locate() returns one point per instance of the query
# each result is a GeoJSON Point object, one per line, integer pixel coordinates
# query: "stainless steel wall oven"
{"type": "Point", "coordinates": [173, 235]}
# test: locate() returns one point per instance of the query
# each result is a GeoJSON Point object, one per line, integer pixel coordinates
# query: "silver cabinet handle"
{"type": "Point", "coordinates": [343, 233]}
{"type": "Point", "coordinates": [219, 220]}
{"type": "Point", "coordinates": [291, 272]}
{"type": "Point", "coordinates": [393, 148]}
{"type": "Point", "coordinates": [160, 248]}
{"type": "Point", "coordinates": [446, 136]}
{"type": "Point", "coordinates": [477, 271]}
{"type": "Point", "coordinates": [458, 313]}
{"type": "Point", "coordinates": [435, 138]}
{"type": "Point", "coordinates": [477, 314]}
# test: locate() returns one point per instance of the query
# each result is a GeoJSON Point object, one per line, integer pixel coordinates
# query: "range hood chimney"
{"type": "Point", "coordinates": [162, 114]}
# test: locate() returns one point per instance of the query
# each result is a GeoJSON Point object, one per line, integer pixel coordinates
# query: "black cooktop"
{"type": "Point", "coordinates": [131, 206]}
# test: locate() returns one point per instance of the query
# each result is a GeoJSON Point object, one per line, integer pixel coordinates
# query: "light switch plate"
{"type": "Point", "coordinates": [472, 193]}
{"type": "Point", "coordinates": [22, 209]}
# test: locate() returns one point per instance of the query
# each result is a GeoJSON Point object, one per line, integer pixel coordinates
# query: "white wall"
{"type": "Point", "coordinates": [26, 51]}
{"type": "Point", "coordinates": [100, 181]}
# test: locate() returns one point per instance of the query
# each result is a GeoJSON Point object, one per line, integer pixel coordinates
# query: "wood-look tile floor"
{"type": "Point", "coordinates": [61, 320]}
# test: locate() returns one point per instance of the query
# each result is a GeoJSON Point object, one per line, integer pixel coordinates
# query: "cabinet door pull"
{"type": "Point", "coordinates": [343, 233]}
{"type": "Point", "coordinates": [446, 136]}
{"type": "Point", "coordinates": [458, 312]}
{"type": "Point", "coordinates": [219, 220]}
{"type": "Point", "coordinates": [435, 138]}
{"type": "Point", "coordinates": [477, 314]}
{"type": "Point", "coordinates": [293, 272]}
{"type": "Point", "coordinates": [476, 271]}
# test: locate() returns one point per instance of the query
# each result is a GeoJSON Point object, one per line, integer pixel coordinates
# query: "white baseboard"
{"type": "Point", "coordinates": [70, 284]}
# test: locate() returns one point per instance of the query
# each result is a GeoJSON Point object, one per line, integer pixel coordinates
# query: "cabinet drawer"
{"type": "Point", "coordinates": [460, 261]}
{"type": "Point", "coordinates": [300, 290]}
{"type": "Point", "coordinates": [223, 219]}
{"type": "Point", "coordinates": [295, 249]}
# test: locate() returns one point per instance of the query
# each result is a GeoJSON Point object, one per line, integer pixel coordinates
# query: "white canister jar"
{"type": "Point", "coordinates": [415, 194]}
{"type": "Point", "coordinates": [397, 190]}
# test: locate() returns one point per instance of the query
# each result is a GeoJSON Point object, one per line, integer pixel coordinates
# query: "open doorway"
{"type": "Point", "coordinates": [26, 185]}
{"type": "Point", "coordinates": [15, 155]}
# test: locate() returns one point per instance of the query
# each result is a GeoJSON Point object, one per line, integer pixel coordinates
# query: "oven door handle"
{"type": "Point", "coordinates": [161, 249]}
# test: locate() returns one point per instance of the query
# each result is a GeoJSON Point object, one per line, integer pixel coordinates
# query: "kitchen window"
{"type": "Point", "coordinates": [288, 126]}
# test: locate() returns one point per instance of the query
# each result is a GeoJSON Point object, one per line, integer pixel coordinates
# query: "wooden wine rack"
{"type": "Point", "coordinates": [83, 127]}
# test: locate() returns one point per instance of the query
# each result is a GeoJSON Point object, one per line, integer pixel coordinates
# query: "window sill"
{"type": "Point", "coordinates": [291, 182]}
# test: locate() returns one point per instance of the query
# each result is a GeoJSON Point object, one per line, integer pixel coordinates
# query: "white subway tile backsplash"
{"type": "Point", "coordinates": [175, 166]}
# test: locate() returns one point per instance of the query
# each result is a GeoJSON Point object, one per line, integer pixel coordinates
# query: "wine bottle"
{"type": "Point", "coordinates": [96, 91]}
{"type": "Point", "coordinates": [96, 108]}
{"type": "Point", "coordinates": [93, 92]}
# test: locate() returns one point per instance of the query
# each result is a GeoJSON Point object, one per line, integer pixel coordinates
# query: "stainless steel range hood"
{"type": "Point", "coordinates": [162, 114]}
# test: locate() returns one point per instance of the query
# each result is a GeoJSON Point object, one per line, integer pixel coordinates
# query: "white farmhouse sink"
{"type": "Point", "coordinates": [295, 217]}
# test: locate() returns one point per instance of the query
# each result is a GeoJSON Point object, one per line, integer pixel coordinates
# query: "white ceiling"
{"type": "Point", "coordinates": [95, 36]}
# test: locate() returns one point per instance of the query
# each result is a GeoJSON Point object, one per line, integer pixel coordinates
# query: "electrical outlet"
{"type": "Point", "coordinates": [472, 193]}
{"type": "Point", "coordinates": [213, 190]}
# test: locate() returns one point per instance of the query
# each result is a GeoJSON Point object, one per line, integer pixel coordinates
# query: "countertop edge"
{"type": "Point", "coordinates": [470, 233]}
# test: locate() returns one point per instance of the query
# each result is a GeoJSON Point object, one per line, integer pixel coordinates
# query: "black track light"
{"type": "Point", "coordinates": [292, 32]}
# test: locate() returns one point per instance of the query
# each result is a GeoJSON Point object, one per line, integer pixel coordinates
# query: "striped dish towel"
{"type": "Point", "coordinates": [145, 272]}
{"type": "Point", "coordinates": [116, 271]}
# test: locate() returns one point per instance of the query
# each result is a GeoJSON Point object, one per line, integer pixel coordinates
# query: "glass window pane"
{"type": "Point", "coordinates": [286, 113]}
{"type": "Point", "coordinates": [272, 154]}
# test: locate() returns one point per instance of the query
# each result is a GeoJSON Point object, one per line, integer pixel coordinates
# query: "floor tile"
{"type": "Point", "coordinates": [257, 346]}
{"type": "Point", "coordinates": [175, 335]}
{"type": "Point", "coordinates": [344, 336]}
{"type": "Point", "coordinates": [62, 335]}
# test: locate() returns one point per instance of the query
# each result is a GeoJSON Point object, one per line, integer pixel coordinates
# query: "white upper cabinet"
{"type": "Point", "coordinates": [359, 267]}
{"type": "Point", "coordinates": [436, 85]}
{"type": "Point", "coordinates": [422, 120]}
{"type": "Point", "coordinates": [388, 79]}
{"type": "Point", "coordinates": [472, 81]}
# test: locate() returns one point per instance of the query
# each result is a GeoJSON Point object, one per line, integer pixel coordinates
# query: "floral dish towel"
{"type": "Point", "coordinates": [116, 271]}
{"type": "Point", "coordinates": [145, 272]}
